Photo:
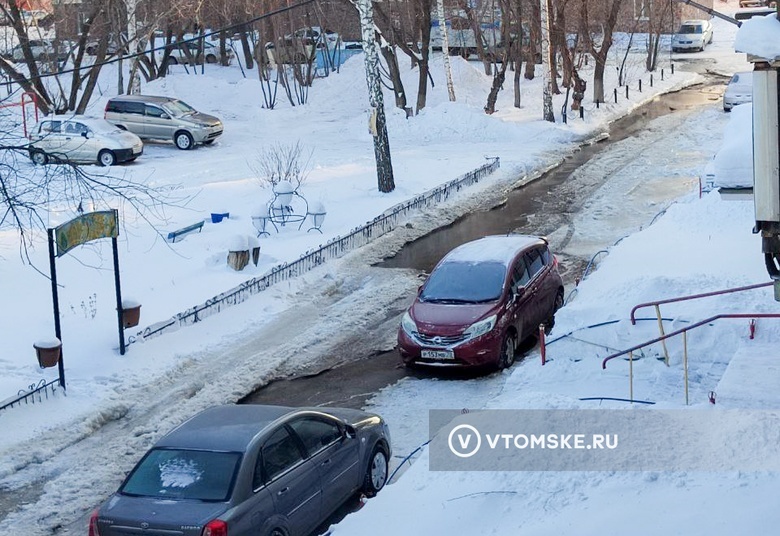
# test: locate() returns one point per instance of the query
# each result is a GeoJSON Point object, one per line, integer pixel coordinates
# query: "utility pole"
{"type": "Point", "coordinates": [377, 121]}
{"type": "Point", "coordinates": [547, 62]}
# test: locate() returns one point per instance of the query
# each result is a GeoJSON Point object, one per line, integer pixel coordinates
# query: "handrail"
{"type": "Point", "coordinates": [686, 329]}
{"type": "Point", "coordinates": [696, 296]}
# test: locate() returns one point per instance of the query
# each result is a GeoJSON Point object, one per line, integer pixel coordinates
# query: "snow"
{"type": "Point", "coordinates": [733, 164]}
{"type": "Point", "coordinates": [490, 248]}
{"type": "Point", "coordinates": [758, 36]}
{"type": "Point", "coordinates": [82, 444]}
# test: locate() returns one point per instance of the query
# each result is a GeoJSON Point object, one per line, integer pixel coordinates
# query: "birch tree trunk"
{"type": "Point", "coordinates": [378, 124]}
{"type": "Point", "coordinates": [445, 48]}
{"type": "Point", "coordinates": [546, 63]}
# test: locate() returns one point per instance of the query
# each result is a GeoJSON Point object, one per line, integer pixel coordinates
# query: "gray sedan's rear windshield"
{"type": "Point", "coordinates": [465, 282]}
{"type": "Point", "coordinates": [690, 29]}
{"type": "Point", "coordinates": [184, 474]}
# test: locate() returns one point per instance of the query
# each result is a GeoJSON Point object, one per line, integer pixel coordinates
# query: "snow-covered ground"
{"type": "Point", "coordinates": [116, 406]}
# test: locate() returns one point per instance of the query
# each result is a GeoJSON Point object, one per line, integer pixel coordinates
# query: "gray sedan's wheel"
{"type": "Point", "coordinates": [183, 140]}
{"type": "Point", "coordinates": [507, 357]}
{"type": "Point", "coordinates": [376, 474]}
{"type": "Point", "coordinates": [210, 58]}
{"type": "Point", "coordinates": [172, 60]}
{"type": "Point", "coordinates": [39, 158]}
{"type": "Point", "coordinates": [208, 142]}
{"type": "Point", "coordinates": [106, 158]}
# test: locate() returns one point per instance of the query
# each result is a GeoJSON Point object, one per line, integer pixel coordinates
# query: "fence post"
{"type": "Point", "coordinates": [582, 111]}
{"type": "Point", "coordinates": [640, 85]}
{"type": "Point", "coordinates": [626, 90]}
{"type": "Point", "coordinates": [662, 74]}
{"type": "Point", "coordinates": [651, 79]}
{"type": "Point", "coordinates": [542, 346]}
{"type": "Point", "coordinates": [685, 363]}
{"type": "Point", "coordinates": [631, 376]}
{"type": "Point", "coordinates": [672, 68]}
{"type": "Point", "coordinates": [615, 95]}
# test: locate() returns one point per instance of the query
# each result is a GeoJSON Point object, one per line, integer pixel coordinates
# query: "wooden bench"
{"type": "Point", "coordinates": [173, 235]}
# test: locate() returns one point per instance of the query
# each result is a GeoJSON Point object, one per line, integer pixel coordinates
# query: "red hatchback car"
{"type": "Point", "coordinates": [481, 301]}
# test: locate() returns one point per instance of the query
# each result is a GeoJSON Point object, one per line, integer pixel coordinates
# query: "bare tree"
{"type": "Point", "coordinates": [282, 162]}
{"type": "Point", "coordinates": [423, 10]}
{"type": "Point", "coordinates": [659, 18]}
{"type": "Point", "coordinates": [600, 54]}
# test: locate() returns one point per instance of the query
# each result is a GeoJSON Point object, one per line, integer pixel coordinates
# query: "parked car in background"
{"type": "Point", "coordinates": [83, 140]}
{"type": "Point", "coordinates": [738, 91]}
{"type": "Point", "coordinates": [42, 50]}
{"type": "Point", "coordinates": [112, 47]}
{"type": "Point", "coordinates": [249, 470]}
{"type": "Point", "coordinates": [750, 12]}
{"type": "Point", "coordinates": [313, 35]}
{"type": "Point", "coordinates": [692, 35]}
{"type": "Point", "coordinates": [163, 118]}
{"type": "Point", "coordinates": [210, 52]}
{"type": "Point", "coordinates": [480, 301]}
{"type": "Point", "coordinates": [754, 3]}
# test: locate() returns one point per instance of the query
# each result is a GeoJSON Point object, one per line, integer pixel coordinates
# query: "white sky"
{"type": "Point", "coordinates": [117, 406]}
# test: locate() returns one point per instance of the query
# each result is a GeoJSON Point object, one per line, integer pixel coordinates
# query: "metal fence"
{"type": "Point", "coordinates": [333, 249]}
{"type": "Point", "coordinates": [34, 393]}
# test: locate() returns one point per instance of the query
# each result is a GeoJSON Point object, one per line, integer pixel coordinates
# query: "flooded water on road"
{"type": "Point", "coordinates": [536, 207]}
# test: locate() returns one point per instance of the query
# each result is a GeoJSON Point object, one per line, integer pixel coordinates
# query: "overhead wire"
{"type": "Point", "coordinates": [177, 43]}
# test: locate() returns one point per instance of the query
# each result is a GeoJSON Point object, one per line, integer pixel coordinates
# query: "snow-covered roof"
{"type": "Point", "coordinates": [759, 37]}
{"type": "Point", "coordinates": [501, 248]}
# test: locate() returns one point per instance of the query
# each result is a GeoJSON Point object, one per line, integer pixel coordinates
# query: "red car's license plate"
{"type": "Point", "coordinates": [437, 354]}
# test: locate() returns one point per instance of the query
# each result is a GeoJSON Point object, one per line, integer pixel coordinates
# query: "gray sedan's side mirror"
{"type": "Point", "coordinates": [85, 134]}
{"type": "Point", "coordinates": [350, 431]}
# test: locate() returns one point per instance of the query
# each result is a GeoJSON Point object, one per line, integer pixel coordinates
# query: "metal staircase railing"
{"type": "Point", "coordinates": [684, 332]}
{"type": "Point", "coordinates": [658, 303]}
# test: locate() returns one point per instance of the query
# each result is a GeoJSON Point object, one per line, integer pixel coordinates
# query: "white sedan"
{"type": "Point", "coordinates": [692, 35]}
{"type": "Point", "coordinates": [82, 140]}
{"type": "Point", "coordinates": [738, 91]}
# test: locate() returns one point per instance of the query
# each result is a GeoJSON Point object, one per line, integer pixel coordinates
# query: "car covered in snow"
{"type": "Point", "coordinates": [692, 35]}
{"type": "Point", "coordinates": [738, 91]}
{"type": "Point", "coordinates": [480, 302]}
{"type": "Point", "coordinates": [82, 140]}
{"type": "Point", "coordinates": [249, 470]}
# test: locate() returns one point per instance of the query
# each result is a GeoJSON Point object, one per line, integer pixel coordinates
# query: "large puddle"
{"type": "Point", "coordinates": [536, 208]}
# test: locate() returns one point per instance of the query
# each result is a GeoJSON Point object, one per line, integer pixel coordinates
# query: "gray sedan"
{"type": "Point", "coordinates": [249, 470]}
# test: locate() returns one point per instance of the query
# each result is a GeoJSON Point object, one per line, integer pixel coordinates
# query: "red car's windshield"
{"type": "Point", "coordinates": [465, 282]}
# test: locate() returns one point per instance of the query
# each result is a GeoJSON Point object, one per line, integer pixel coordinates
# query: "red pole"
{"type": "Point", "coordinates": [542, 348]}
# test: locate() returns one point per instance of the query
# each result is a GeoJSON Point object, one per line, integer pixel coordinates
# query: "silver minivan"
{"type": "Point", "coordinates": [163, 118]}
